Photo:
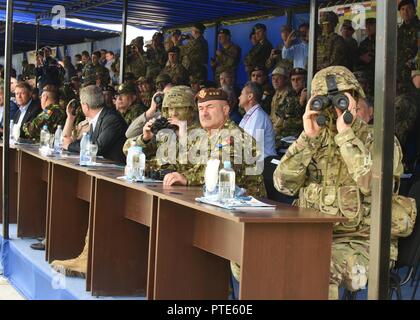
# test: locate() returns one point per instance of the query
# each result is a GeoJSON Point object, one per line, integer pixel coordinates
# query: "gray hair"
{"type": "Point", "coordinates": [255, 89]}
{"type": "Point", "coordinates": [92, 96]}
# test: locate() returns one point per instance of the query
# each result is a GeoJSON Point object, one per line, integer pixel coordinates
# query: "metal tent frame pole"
{"type": "Point", "coordinates": [8, 47]}
{"type": "Point", "coordinates": [313, 23]}
{"type": "Point", "coordinates": [383, 149]}
{"type": "Point", "coordinates": [123, 40]}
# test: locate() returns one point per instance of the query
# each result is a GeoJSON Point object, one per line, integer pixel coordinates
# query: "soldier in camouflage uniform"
{"type": "Point", "coordinates": [213, 112]}
{"type": "Point", "coordinates": [179, 107]}
{"type": "Point", "coordinates": [260, 52]}
{"type": "Point", "coordinates": [227, 56]}
{"type": "Point", "coordinates": [155, 56]}
{"type": "Point", "coordinates": [275, 59]}
{"type": "Point", "coordinates": [52, 115]}
{"type": "Point", "coordinates": [195, 54]}
{"type": "Point", "coordinates": [173, 68]}
{"type": "Point", "coordinates": [94, 67]}
{"type": "Point", "coordinates": [405, 116]}
{"type": "Point", "coordinates": [136, 58]}
{"type": "Point", "coordinates": [330, 169]}
{"type": "Point", "coordinates": [331, 48]}
{"type": "Point", "coordinates": [145, 91]}
{"type": "Point", "coordinates": [127, 104]}
{"type": "Point", "coordinates": [259, 75]}
{"type": "Point", "coordinates": [286, 111]}
{"type": "Point", "coordinates": [347, 32]}
{"type": "Point", "coordinates": [366, 55]}
{"type": "Point", "coordinates": [408, 32]}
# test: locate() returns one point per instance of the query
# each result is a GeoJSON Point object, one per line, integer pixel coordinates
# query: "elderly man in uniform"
{"type": "Point", "coordinates": [331, 48]}
{"type": "Point", "coordinates": [286, 112]}
{"type": "Point", "coordinates": [329, 167]}
{"type": "Point", "coordinates": [195, 54]}
{"type": "Point", "coordinates": [127, 104]}
{"type": "Point", "coordinates": [260, 52]}
{"type": "Point", "coordinates": [52, 114]}
{"type": "Point", "coordinates": [408, 34]}
{"type": "Point", "coordinates": [227, 57]}
{"type": "Point", "coordinates": [219, 137]}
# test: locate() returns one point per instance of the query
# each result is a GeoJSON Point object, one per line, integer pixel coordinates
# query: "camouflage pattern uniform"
{"type": "Point", "coordinates": [177, 72]}
{"type": "Point", "coordinates": [195, 55]}
{"type": "Point", "coordinates": [407, 50]}
{"type": "Point", "coordinates": [368, 46]}
{"type": "Point", "coordinates": [267, 98]}
{"type": "Point", "coordinates": [278, 61]}
{"type": "Point", "coordinates": [331, 48]}
{"type": "Point", "coordinates": [52, 116]}
{"type": "Point", "coordinates": [90, 70]}
{"type": "Point", "coordinates": [228, 60]}
{"type": "Point", "coordinates": [133, 111]}
{"type": "Point", "coordinates": [258, 54]}
{"type": "Point", "coordinates": [286, 115]}
{"type": "Point", "coordinates": [405, 116]}
{"type": "Point", "coordinates": [155, 61]}
{"type": "Point", "coordinates": [332, 173]}
{"type": "Point", "coordinates": [178, 96]}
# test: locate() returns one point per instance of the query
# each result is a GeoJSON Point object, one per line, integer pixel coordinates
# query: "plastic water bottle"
{"type": "Point", "coordinates": [129, 168]}
{"type": "Point", "coordinates": [141, 164]}
{"type": "Point", "coordinates": [84, 149]}
{"type": "Point", "coordinates": [11, 137]}
{"type": "Point", "coordinates": [226, 182]}
{"type": "Point", "coordinates": [58, 140]}
{"type": "Point", "coordinates": [44, 137]}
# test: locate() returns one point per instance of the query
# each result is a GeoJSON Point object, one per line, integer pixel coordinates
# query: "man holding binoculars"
{"type": "Point", "coordinates": [329, 167]}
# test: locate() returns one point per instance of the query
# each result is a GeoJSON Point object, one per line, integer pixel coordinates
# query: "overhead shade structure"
{"type": "Point", "coordinates": [24, 36]}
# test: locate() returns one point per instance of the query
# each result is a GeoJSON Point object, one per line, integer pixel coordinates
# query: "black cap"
{"type": "Point", "coordinates": [200, 27]}
{"type": "Point", "coordinates": [298, 72]}
{"type": "Point", "coordinates": [225, 31]}
{"type": "Point", "coordinates": [259, 68]}
{"type": "Point", "coordinates": [406, 2]}
{"type": "Point", "coordinates": [259, 26]}
{"type": "Point", "coordinates": [174, 50]}
{"type": "Point", "coordinates": [176, 32]}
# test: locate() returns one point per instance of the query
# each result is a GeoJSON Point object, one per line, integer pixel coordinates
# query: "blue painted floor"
{"type": "Point", "coordinates": [28, 272]}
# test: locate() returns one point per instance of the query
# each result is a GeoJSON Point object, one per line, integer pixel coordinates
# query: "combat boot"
{"type": "Point", "coordinates": [76, 267]}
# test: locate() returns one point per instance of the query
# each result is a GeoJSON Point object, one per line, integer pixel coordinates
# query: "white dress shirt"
{"type": "Point", "coordinates": [23, 110]}
{"type": "Point", "coordinates": [95, 120]}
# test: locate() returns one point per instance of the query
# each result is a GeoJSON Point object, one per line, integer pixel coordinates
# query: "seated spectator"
{"type": "Point", "coordinates": [28, 108]}
{"type": "Point", "coordinates": [298, 80]}
{"type": "Point", "coordinates": [260, 76]}
{"type": "Point", "coordinates": [127, 104]}
{"type": "Point", "coordinates": [107, 126]}
{"type": "Point", "coordinates": [256, 121]}
{"type": "Point", "coordinates": [52, 114]}
{"type": "Point", "coordinates": [276, 59]}
{"type": "Point", "coordinates": [234, 114]}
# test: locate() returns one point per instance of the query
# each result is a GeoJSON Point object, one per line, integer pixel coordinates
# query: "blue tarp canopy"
{"type": "Point", "coordinates": [154, 13]}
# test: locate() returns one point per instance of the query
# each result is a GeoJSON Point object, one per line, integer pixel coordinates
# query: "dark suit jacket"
{"type": "Point", "coordinates": [109, 135]}
{"type": "Point", "coordinates": [33, 110]}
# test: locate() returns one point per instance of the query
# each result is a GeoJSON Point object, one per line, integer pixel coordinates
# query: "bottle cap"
{"type": "Point", "coordinates": [227, 165]}
{"type": "Point", "coordinates": [45, 127]}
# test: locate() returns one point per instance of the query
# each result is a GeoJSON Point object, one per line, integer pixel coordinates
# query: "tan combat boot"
{"type": "Point", "coordinates": [76, 267]}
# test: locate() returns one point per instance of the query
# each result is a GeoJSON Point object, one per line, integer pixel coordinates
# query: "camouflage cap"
{"type": "Point", "coordinates": [176, 32]}
{"type": "Point", "coordinates": [174, 50]}
{"type": "Point", "coordinates": [127, 88]}
{"type": "Point", "coordinates": [163, 77]}
{"type": "Point", "coordinates": [344, 77]}
{"type": "Point", "coordinates": [280, 71]}
{"type": "Point", "coordinates": [179, 97]}
{"type": "Point", "coordinates": [330, 17]}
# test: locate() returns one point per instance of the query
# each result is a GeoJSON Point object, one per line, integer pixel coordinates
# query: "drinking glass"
{"type": "Point", "coordinates": [93, 150]}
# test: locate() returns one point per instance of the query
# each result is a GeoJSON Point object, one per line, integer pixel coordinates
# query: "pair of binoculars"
{"type": "Point", "coordinates": [322, 103]}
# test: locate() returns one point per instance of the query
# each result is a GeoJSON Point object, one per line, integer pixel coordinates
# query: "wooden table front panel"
{"type": "Point", "coordinates": [13, 185]}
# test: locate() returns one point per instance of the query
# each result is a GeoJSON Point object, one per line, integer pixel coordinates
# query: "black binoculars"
{"type": "Point", "coordinates": [332, 99]}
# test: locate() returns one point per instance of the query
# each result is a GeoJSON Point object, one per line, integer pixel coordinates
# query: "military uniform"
{"type": "Point", "coordinates": [331, 48]}
{"type": "Point", "coordinates": [286, 115]}
{"type": "Point", "coordinates": [407, 50]}
{"type": "Point", "coordinates": [258, 54]}
{"type": "Point", "coordinates": [90, 70]}
{"type": "Point", "coordinates": [52, 116]}
{"type": "Point", "coordinates": [368, 45]}
{"type": "Point", "coordinates": [405, 116]}
{"type": "Point", "coordinates": [178, 74]}
{"type": "Point", "coordinates": [133, 112]}
{"type": "Point", "coordinates": [332, 173]}
{"type": "Point", "coordinates": [228, 59]}
{"type": "Point", "coordinates": [278, 61]}
{"type": "Point", "coordinates": [195, 55]}
{"type": "Point", "coordinates": [155, 61]}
